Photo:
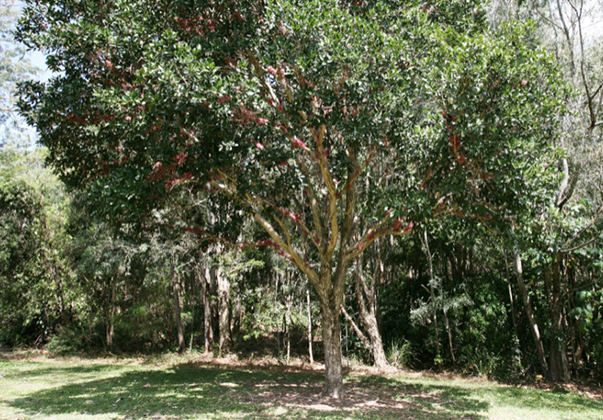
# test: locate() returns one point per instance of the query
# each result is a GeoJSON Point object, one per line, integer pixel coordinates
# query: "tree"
{"type": "Point", "coordinates": [34, 277]}
{"type": "Point", "coordinates": [308, 116]}
{"type": "Point", "coordinates": [569, 222]}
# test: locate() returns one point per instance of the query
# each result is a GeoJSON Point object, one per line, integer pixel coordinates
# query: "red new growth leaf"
{"type": "Point", "coordinates": [397, 225]}
{"type": "Point", "coordinates": [298, 143]}
{"type": "Point", "coordinates": [455, 141]}
{"type": "Point", "coordinates": [244, 116]}
{"type": "Point", "coordinates": [180, 159]}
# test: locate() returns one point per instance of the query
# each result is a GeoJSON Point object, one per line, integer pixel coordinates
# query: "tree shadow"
{"type": "Point", "coordinates": [188, 391]}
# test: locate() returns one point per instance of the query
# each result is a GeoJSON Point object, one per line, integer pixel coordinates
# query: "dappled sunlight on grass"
{"type": "Point", "coordinates": [199, 391]}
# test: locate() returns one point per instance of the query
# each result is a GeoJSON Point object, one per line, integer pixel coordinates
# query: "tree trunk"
{"type": "Point", "coordinates": [238, 313]}
{"type": "Point", "coordinates": [287, 322]}
{"type": "Point", "coordinates": [310, 337]}
{"type": "Point", "coordinates": [110, 315]}
{"type": "Point", "coordinates": [367, 305]}
{"type": "Point", "coordinates": [432, 295]}
{"type": "Point", "coordinates": [356, 329]}
{"type": "Point", "coordinates": [559, 366]}
{"type": "Point", "coordinates": [208, 331]}
{"type": "Point", "coordinates": [530, 313]}
{"type": "Point", "coordinates": [449, 332]}
{"type": "Point", "coordinates": [331, 335]}
{"type": "Point", "coordinates": [514, 317]}
{"type": "Point", "coordinates": [109, 328]}
{"type": "Point", "coordinates": [224, 311]}
{"type": "Point", "coordinates": [177, 314]}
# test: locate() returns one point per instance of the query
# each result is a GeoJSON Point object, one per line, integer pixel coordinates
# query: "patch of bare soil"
{"type": "Point", "coordinates": [360, 399]}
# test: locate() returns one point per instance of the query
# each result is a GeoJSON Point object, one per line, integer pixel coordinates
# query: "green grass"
{"type": "Point", "coordinates": [55, 389]}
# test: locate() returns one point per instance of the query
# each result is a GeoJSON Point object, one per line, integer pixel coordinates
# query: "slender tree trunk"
{"type": "Point", "coordinates": [513, 312]}
{"type": "Point", "coordinates": [514, 317]}
{"type": "Point", "coordinates": [310, 336]}
{"type": "Point", "coordinates": [559, 365]}
{"type": "Point", "coordinates": [449, 332]}
{"type": "Point", "coordinates": [238, 313]}
{"type": "Point", "coordinates": [287, 323]}
{"type": "Point", "coordinates": [208, 331]}
{"type": "Point", "coordinates": [530, 314]}
{"type": "Point", "coordinates": [367, 305]}
{"type": "Point", "coordinates": [224, 311]}
{"type": "Point", "coordinates": [331, 335]}
{"type": "Point", "coordinates": [432, 294]}
{"type": "Point", "coordinates": [109, 328]}
{"type": "Point", "coordinates": [356, 329]}
{"type": "Point", "coordinates": [177, 313]}
{"type": "Point", "coordinates": [110, 315]}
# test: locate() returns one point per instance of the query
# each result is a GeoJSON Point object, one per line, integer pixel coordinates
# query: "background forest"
{"type": "Point", "coordinates": [79, 274]}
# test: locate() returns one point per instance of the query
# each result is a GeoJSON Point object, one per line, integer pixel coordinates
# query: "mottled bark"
{"type": "Point", "coordinates": [367, 305]}
{"type": "Point", "coordinates": [331, 336]}
{"type": "Point", "coordinates": [223, 283]}
{"type": "Point", "coordinates": [327, 226]}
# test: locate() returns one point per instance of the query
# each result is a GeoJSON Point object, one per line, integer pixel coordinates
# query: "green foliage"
{"type": "Point", "coordinates": [178, 122]}
{"type": "Point", "coordinates": [34, 278]}
{"type": "Point", "coordinates": [200, 113]}
{"type": "Point", "coordinates": [400, 354]}
{"type": "Point", "coordinates": [69, 340]}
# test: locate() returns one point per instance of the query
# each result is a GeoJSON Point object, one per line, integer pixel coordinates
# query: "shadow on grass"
{"type": "Point", "coordinates": [539, 399]}
{"type": "Point", "coordinates": [188, 391]}
{"type": "Point", "coordinates": [505, 396]}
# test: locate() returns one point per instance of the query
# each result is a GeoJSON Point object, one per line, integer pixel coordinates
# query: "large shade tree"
{"type": "Point", "coordinates": [329, 123]}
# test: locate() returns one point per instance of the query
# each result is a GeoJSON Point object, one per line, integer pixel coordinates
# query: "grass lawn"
{"type": "Point", "coordinates": [189, 388]}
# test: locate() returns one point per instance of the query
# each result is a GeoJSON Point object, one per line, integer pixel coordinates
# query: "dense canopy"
{"type": "Point", "coordinates": [329, 123]}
